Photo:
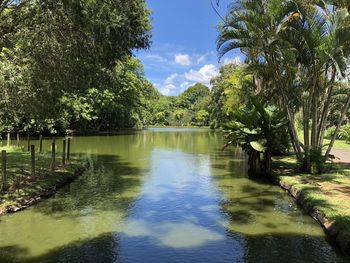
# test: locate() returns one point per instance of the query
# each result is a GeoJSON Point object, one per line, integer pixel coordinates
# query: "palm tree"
{"type": "Point", "coordinates": [297, 50]}
{"type": "Point", "coordinates": [255, 28]}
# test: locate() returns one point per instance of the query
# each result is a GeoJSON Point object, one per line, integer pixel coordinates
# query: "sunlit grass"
{"type": "Point", "coordinates": [338, 144]}
{"type": "Point", "coordinates": [21, 185]}
{"type": "Point", "coordinates": [328, 192]}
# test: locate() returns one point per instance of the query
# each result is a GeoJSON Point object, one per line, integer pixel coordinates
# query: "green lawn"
{"type": "Point", "coordinates": [338, 144]}
{"type": "Point", "coordinates": [328, 192]}
{"type": "Point", "coordinates": [22, 186]}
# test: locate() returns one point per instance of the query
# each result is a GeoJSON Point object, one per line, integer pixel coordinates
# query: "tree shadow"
{"type": "Point", "coordinates": [109, 184]}
{"type": "Point", "coordinates": [116, 247]}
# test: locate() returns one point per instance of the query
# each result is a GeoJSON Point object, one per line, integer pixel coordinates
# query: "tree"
{"type": "Point", "coordinates": [121, 105]}
{"type": "Point", "coordinates": [258, 129]}
{"type": "Point", "coordinates": [229, 91]}
{"type": "Point", "coordinates": [202, 118]}
{"type": "Point", "coordinates": [296, 50]}
{"type": "Point", "coordinates": [62, 47]}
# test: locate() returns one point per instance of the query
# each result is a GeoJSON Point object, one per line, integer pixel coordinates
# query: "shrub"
{"type": "Point", "coordinates": [344, 133]}
{"type": "Point", "coordinates": [329, 132]}
{"type": "Point", "coordinates": [318, 160]}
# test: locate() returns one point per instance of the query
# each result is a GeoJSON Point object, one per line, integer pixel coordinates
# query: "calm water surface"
{"type": "Point", "coordinates": [164, 195]}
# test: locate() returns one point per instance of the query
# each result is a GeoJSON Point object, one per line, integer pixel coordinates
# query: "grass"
{"type": "Point", "coordinates": [338, 144]}
{"type": "Point", "coordinates": [328, 192]}
{"type": "Point", "coordinates": [22, 187]}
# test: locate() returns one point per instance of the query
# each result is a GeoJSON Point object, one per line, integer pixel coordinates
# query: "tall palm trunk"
{"type": "Point", "coordinates": [291, 125]}
{"type": "Point", "coordinates": [307, 161]}
{"type": "Point", "coordinates": [325, 111]}
{"type": "Point", "coordinates": [340, 121]}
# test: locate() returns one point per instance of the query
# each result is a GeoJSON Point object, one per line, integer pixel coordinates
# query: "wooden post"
{"type": "Point", "coordinates": [8, 139]}
{"type": "Point", "coordinates": [64, 152]}
{"type": "Point", "coordinates": [18, 140]}
{"type": "Point", "coordinates": [3, 168]}
{"type": "Point", "coordinates": [28, 142]}
{"type": "Point", "coordinates": [53, 150]}
{"type": "Point", "coordinates": [68, 150]}
{"type": "Point", "coordinates": [40, 143]}
{"type": "Point", "coordinates": [32, 160]}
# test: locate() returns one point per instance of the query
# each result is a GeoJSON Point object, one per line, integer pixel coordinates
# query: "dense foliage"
{"type": "Point", "coordinates": [190, 108]}
{"type": "Point", "coordinates": [260, 130]}
{"type": "Point", "coordinates": [297, 52]}
{"type": "Point", "coordinates": [73, 58]}
{"type": "Point", "coordinates": [230, 90]}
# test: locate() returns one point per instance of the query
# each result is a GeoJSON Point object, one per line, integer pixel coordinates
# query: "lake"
{"type": "Point", "coordinates": [164, 195]}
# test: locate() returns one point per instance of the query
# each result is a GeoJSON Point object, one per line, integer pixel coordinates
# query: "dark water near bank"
{"type": "Point", "coordinates": [164, 195]}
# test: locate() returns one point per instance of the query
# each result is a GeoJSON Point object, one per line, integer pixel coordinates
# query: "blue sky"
{"type": "Point", "coordinates": [184, 44]}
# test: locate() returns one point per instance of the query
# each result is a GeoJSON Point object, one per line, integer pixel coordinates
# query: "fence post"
{"type": "Point", "coordinates": [64, 152]}
{"type": "Point", "coordinates": [18, 140]}
{"type": "Point", "coordinates": [3, 166]}
{"type": "Point", "coordinates": [28, 142]}
{"type": "Point", "coordinates": [40, 143]}
{"type": "Point", "coordinates": [53, 152]}
{"type": "Point", "coordinates": [8, 139]}
{"type": "Point", "coordinates": [32, 158]}
{"type": "Point", "coordinates": [68, 149]}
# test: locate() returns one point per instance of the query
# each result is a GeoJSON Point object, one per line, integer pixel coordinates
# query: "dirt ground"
{"type": "Point", "coordinates": [341, 156]}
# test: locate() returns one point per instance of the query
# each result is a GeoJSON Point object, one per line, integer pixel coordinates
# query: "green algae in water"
{"type": "Point", "coordinates": [163, 195]}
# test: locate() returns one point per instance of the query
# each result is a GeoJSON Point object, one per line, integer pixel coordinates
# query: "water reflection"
{"type": "Point", "coordinates": [167, 195]}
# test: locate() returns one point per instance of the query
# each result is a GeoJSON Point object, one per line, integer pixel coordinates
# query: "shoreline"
{"type": "Point", "coordinates": [331, 227]}
{"type": "Point", "coordinates": [43, 194]}
{"type": "Point", "coordinates": [93, 132]}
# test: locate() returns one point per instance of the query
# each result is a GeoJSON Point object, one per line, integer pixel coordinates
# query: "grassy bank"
{"type": "Point", "coordinates": [339, 144]}
{"type": "Point", "coordinates": [23, 189]}
{"type": "Point", "coordinates": [325, 197]}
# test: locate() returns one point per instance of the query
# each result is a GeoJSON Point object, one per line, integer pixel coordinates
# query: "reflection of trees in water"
{"type": "Point", "coordinates": [107, 193]}
{"type": "Point", "coordinates": [109, 184]}
{"type": "Point", "coordinates": [102, 249]}
{"type": "Point", "coordinates": [95, 204]}
{"type": "Point", "coordinates": [269, 222]}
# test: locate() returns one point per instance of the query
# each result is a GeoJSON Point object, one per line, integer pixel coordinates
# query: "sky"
{"type": "Point", "coordinates": [183, 50]}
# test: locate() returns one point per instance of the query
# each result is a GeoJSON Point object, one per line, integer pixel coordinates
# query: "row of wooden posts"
{"type": "Point", "coordinates": [31, 148]}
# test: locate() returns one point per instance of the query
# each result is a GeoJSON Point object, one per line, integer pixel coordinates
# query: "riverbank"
{"type": "Point", "coordinates": [325, 197]}
{"type": "Point", "coordinates": [23, 189]}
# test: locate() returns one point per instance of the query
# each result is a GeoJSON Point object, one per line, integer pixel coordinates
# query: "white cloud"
{"type": "Point", "coordinates": [203, 75]}
{"type": "Point", "coordinates": [177, 83]}
{"type": "Point", "coordinates": [183, 59]}
{"type": "Point", "coordinates": [155, 58]}
{"type": "Point", "coordinates": [201, 59]}
{"type": "Point", "coordinates": [171, 78]}
{"type": "Point", "coordinates": [185, 85]}
{"type": "Point", "coordinates": [236, 60]}
{"type": "Point", "coordinates": [167, 89]}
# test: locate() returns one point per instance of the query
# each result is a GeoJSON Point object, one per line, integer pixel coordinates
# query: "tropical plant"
{"type": "Point", "coordinates": [296, 51]}
{"type": "Point", "coordinates": [257, 129]}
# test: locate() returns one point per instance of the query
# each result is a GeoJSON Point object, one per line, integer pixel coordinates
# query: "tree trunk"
{"type": "Point", "coordinates": [307, 163]}
{"type": "Point", "coordinates": [8, 139]}
{"type": "Point", "coordinates": [325, 111]}
{"type": "Point", "coordinates": [268, 162]}
{"type": "Point", "coordinates": [254, 164]}
{"type": "Point", "coordinates": [293, 131]}
{"type": "Point", "coordinates": [341, 118]}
